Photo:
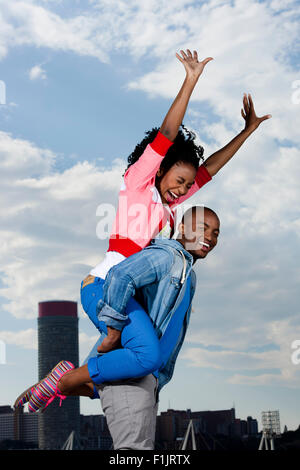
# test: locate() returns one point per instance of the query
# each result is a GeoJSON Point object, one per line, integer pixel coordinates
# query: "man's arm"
{"type": "Point", "coordinates": [121, 282]}
{"type": "Point", "coordinates": [174, 117]}
{"type": "Point", "coordinates": [218, 159]}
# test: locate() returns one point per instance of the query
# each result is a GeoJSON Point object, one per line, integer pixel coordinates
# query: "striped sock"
{"type": "Point", "coordinates": [46, 390]}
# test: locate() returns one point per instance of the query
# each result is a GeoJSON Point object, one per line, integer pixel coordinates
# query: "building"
{"type": "Point", "coordinates": [244, 428]}
{"type": "Point", "coordinates": [22, 427]}
{"type": "Point", "coordinates": [172, 425]}
{"type": "Point", "coordinates": [252, 426]}
{"type": "Point", "coordinates": [25, 426]}
{"type": "Point", "coordinates": [171, 428]}
{"type": "Point", "coordinates": [6, 423]}
{"type": "Point", "coordinates": [57, 340]}
{"type": "Point", "coordinates": [94, 433]}
{"type": "Point", "coordinates": [18, 426]}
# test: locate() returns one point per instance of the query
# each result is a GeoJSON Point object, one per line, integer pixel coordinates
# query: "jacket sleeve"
{"type": "Point", "coordinates": [123, 279]}
{"type": "Point", "coordinates": [140, 173]}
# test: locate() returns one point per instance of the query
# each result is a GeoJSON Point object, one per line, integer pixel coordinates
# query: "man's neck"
{"type": "Point", "coordinates": [179, 241]}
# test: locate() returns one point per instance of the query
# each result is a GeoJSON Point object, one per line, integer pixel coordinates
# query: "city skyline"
{"type": "Point", "coordinates": [83, 82]}
{"type": "Point", "coordinates": [171, 427]}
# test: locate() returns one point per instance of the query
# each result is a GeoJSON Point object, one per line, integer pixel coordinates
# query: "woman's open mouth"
{"type": "Point", "coordinates": [171, 196]}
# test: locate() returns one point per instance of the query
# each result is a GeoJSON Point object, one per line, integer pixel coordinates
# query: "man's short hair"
{"type": "Point", "coordinates": [196, 211]}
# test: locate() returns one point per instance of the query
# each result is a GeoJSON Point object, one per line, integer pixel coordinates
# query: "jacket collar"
{"type": "Point", "coordinates": [174, 244]}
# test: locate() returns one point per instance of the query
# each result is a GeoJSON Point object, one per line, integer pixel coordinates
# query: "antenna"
{"type": "Point", "coordinates": [190, 431]}
{"type": "Point", "coordinates": [271, 429]}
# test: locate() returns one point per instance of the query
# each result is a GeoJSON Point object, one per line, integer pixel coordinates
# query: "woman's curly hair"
{"type": "Point", "coordinates": [184, 149]}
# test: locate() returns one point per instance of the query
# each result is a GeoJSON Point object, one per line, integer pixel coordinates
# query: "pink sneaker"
{"type": "Point", "coordinates": [46, 390]}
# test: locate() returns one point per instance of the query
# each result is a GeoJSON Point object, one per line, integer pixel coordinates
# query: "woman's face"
{"type": "Point", "coordinates": [176, 181]}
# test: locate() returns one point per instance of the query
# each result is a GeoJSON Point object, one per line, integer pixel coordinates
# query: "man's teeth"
{"type": "Point", "coordinates": [205, 244]}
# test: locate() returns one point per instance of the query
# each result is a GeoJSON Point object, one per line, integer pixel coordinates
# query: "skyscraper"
{"type": "Point", "coordinates": [57, 340]}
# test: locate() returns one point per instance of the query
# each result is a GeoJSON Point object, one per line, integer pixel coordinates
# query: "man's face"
{"type": "Point", "coordinates": [200, 237]}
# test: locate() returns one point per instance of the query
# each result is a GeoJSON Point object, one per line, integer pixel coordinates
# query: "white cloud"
{"type": "Point", "coordinates": [27, 23]}
{"type": "Point", "coordinates": [37, 72]}
{"type": "Point", "coordinates": [233, 348]}
{"type": "Point", "coordinates": [20, 157]}
{"type": "Point", "coordinates": [26, 339]}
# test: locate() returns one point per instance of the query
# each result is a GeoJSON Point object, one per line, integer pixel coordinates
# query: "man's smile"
{"type": "Point", "coordinates": [205, 246]}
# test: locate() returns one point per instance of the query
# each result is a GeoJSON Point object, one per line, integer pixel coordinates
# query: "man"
{"type": "Point", "coordinates": [130, 406]}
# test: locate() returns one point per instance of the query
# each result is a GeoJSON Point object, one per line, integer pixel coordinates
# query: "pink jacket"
{"type": "Point", "coordinates": [141, 214]}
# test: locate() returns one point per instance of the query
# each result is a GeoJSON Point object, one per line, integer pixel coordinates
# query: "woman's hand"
{"type": "Point", "coordinates": [175, 115]}
{"type": "Point", "coordinates": [251, 120]}
{"type": "Point", "coordinates": [192, 66]}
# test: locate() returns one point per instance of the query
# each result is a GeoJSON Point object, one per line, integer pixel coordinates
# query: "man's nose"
{"type": "Point", "coordinates": [208, 236]}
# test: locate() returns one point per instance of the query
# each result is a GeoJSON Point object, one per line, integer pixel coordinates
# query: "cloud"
{"type": "Point", "coordinates": [25, 23]}
{"type": "Point", "coordinates": [26, 339]}
{"type": "Point", "coordinates": [256, 346]}
{"type": "Point", "coordinates": [37, 72]}
{"type": "Point", "coordinates": [273, 380]}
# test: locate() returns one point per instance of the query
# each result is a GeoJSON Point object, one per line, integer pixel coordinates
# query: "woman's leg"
{"type": "Point", "coordinates": [85, 390]}
{"type": "Point", "coordinates": [139, 355]}
{"type": "Point", "coordinates": [89, 296]}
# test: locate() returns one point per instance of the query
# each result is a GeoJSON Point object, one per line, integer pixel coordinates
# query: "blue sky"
{"type": "Point", "coordinates": [84, 81]}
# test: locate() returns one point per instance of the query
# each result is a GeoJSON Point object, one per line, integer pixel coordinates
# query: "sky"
{"type": "Point", "coordinates": [81, 81]}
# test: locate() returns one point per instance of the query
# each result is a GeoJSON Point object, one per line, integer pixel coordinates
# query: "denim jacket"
{"type": "Point", "coordinates": [158, 278]}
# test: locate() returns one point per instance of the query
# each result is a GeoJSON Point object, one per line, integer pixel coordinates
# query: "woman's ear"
{"type": "Point", "coordinates": [159, 173]}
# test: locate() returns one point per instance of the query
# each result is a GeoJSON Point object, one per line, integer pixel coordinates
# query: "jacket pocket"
{"type": "Point", "coordinates": [171, 292]}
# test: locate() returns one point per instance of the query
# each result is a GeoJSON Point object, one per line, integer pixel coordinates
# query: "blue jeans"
{"type": "Point", "coordinates": [140, 354]}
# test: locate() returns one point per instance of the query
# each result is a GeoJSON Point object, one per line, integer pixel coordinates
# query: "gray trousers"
{"type": "Point", "coordinates": [130, 407]}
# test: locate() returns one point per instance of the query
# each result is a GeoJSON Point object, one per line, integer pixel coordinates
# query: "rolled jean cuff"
{"type": "Point", "coordinates": [110, 316]}
{"type": "Point", "coordinates": [93, 369]}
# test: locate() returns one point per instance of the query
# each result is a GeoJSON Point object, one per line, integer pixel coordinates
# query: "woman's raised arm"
{"type": "Point", "coordinates": [175, 115]}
